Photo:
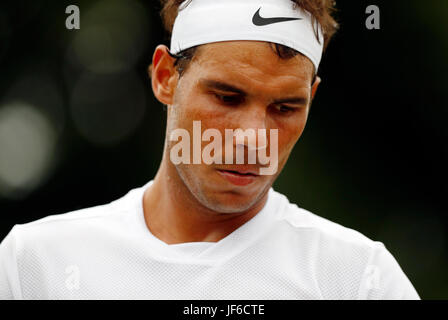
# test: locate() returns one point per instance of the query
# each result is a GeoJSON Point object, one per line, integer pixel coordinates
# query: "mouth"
{"type": "Point", "coordinates": [239, 177]}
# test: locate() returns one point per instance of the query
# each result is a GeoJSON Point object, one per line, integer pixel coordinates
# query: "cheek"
{"type": "Point", "coordinates": [212, 116]}
{"type": "Point", "coordinates": [185, 110]}
{"type": "Point", "coordinates": [190, 106]}
{"type": "Point", "coordinates": [289, 134]}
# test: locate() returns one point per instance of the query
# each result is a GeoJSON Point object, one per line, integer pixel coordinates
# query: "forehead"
{"type": "Point", "coordinates": [252, 62]}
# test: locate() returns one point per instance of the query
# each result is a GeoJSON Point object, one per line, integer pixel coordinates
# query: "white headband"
{"type": "Point", "coordinates": [277, 21]}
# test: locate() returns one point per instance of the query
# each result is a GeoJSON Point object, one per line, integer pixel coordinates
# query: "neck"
{"type": "Point", "coordinates": [174, 215]}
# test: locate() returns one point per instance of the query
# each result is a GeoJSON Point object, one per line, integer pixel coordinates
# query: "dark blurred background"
{"type": "Point", "coordinates": [79, 125]}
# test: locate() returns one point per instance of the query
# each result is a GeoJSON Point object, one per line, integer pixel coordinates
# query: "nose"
{"type": "Point", "coordinates": [251, 129]}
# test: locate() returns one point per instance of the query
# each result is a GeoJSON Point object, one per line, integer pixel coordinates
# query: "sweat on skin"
{"type": "Point", "coordinates": [227, 85]}
{"type": "Point", "coordinates": [213, 152]}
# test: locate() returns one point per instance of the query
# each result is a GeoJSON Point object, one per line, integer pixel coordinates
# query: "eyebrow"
{"type": "Point", "coordinates": [296, 100]}
{"type": "Point", "coordinates": [221, 86]}
{"type": "Point", "coordinates": [214, 84]}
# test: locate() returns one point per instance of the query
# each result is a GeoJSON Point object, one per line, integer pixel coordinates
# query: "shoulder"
{"type": "Point", "coordinates": [344, 256]}
{"type": "Point", "coordinates": [63, 222]}
{"type": "Point", "coordinates": [73, 225]}
{"type": "Point", "coordinates": [33, 249]}
{"type": "Point", "coordinates": [303, 221]}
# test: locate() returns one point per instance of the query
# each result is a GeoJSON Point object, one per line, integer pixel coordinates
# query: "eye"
{"type": "Point", "coordinates": [228, 99]}
{"type": "Point", "coordinates": [284, 109]}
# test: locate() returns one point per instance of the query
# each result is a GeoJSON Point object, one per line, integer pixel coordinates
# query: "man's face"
{"type": "Point", "coordinates": [239, 84]}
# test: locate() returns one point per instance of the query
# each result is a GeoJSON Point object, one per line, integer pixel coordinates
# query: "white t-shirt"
{"type": "Point", "coordinates": [107, 252]}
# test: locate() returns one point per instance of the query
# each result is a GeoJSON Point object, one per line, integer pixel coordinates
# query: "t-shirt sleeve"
{"type": "Point", "coordinates": [383, 278]}
{"type": "Point", "coordinates": [9, 281]}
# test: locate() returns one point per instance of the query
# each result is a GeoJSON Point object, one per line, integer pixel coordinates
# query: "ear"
{"type": "Point", "coordinates": [314, 86]}
{"type": "Point", "coordinates": [163, 75]}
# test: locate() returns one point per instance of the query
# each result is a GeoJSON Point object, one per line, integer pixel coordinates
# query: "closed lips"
{"type": "Point", "coordinates": [241, 173]}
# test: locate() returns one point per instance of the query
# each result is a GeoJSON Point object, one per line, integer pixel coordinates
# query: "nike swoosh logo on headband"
{"type": "Point", "coordinates": [260, 21]}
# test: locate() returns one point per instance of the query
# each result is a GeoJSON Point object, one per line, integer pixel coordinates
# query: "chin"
{"type": "Point", "coordinates": [218, 195]}
{"type": "Point", "coordinates": [229, 202]}
{"type": "Point", "coordinates": [228, 207]}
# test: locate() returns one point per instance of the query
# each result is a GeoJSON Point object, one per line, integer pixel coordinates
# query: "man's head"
{"type": "Point", "coordinates": [236, 85]}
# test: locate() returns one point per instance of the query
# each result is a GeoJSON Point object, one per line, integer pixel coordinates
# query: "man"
{"type": "Point", "coordinates": [210, 226]}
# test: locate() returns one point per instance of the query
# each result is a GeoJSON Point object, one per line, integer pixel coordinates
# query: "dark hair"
{"type": "Point", "coordinates": [183, 58]}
